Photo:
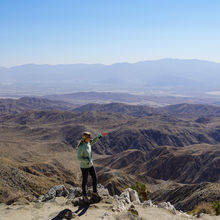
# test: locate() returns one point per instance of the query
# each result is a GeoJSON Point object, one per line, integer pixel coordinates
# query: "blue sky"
{"type": "Point", "coordinates": [107, 31]}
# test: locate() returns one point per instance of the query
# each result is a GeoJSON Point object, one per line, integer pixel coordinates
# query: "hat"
{"type": "Point", "coordinates": [86, 134]}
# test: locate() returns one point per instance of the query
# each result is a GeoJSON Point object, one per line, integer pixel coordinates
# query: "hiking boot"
{"type": "Point", "coordinates": [95, 194]}
{"type": "Point", "coordinates": [85, 199]}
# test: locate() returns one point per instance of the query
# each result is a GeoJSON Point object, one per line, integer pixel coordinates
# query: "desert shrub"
{"type": "Point", "coordinates": [142, 190]}
{"type": "Point", "coordinates": [203, 207]}
{"type": "Point", "coordinates": [216, 206]}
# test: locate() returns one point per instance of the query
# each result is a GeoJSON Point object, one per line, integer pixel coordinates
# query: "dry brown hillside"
{"type": "Point", "coordinates": [37, 152]}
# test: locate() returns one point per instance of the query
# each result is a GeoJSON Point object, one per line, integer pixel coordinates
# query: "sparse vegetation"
{"type": "Point", "coordinates": [142, 190]}
{"type": "Point", "coordinates": [211, 208]}
{"type": "Point", "coordinates": [216, 206]}
{"type": "Point", "coordinates": [204, 207]}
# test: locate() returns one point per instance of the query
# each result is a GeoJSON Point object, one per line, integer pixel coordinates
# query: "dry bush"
{"type": "Point", "coordinates": [142, 190]}
{"type": "Point", "coordinates": [216, 206]}
{"type": "Point", "coordinates": [203, 207]}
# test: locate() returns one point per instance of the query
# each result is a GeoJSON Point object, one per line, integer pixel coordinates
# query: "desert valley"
{"type": "Point", "coordinates": [174, 149]}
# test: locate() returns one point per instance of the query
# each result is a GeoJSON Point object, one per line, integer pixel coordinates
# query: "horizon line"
{"type": "Point", "coordinates": [59, 64]}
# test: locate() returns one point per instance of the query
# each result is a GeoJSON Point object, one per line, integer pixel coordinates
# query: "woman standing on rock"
{"type": "Point", "coordinates": [86, 163]}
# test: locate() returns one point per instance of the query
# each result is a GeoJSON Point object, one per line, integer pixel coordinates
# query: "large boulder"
{"type": "Point", "coordinates": [127, 196]}
{"type": "Point", "coordinates": [147, 203]}
{"type": "Point", "coordinates": [56, 191]}
{"type": "Point", "coordinates": [134, 196]}
{"type": "Point", "coordinates": [130, 195]}
{"type": "Point", "coordinates": [74, 192]}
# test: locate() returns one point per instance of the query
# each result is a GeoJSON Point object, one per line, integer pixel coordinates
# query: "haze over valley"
{"type": "Point", "coordinates": [165, 77]}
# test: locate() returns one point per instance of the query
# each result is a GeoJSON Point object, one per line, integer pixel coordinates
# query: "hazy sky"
{"type": "Point", "coordinates": [107, 31]}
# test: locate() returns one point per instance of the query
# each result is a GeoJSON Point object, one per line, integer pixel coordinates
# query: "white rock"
{"type": "Point", "coordinates": [74, 192]}
{"type": "Point", "coordinates": [105, 216]}
{"type": "Point", "coordinates": [126, 200]}
{"type": "Point", "coordinates": [162, 205]}
{"type": "Point", "coordinates": [134, 196]}
{"type": "Point", "coordinates": [102, 191]}
{"type": "Point", "coordinates": [201, 214]}
{"type": "Point", "coordinates": [168, 206]}
{"type": "Point", "coordinates": [125, 196]}
{"type": "Point", "coordinates": [172, 208]}
{"type": "Point", "coordinates": [130, 195]}
{"type": "Point", "coordinates": [119, 207]}
{"type": "Point", "coordinates": [147, 203]}
{"type": "Point", "coordinates": [59, 190]}
{"type": "Point", "coordinates": [116, 197]}
{"type": "Point", "coordinates": [183, 214]}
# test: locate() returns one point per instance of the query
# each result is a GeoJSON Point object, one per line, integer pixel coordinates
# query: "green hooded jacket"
{"type": "Point", "coordinates": [84, 154]}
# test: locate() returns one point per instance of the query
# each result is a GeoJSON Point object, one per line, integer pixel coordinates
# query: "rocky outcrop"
{"type": "Point", "coordinates": [125, 206]}
{"type": "Point", "coordinates": [56, 191]}
{"type": "Point", "coordinates": [128, 196]}
{"type": "Point", "coordinates": [75, 192]}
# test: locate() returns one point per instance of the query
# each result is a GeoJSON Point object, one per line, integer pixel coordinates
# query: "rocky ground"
{"type": "Point", "coordinates": [60, 203]}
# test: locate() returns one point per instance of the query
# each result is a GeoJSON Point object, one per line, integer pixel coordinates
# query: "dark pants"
{"type": "Point", "coordinates": [85, 172]}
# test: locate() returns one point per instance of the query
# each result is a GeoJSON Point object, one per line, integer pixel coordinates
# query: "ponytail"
{"type": "Point", "coordinates": [79, 143]}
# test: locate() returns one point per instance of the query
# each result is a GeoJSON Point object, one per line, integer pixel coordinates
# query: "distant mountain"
{"type": "Point", "coordinates": [32, 103]}
{"type": "Point", "coordinates": [3, 69]}
{"type": "Point", "coordinates": [82, 98]}
{"type": "Point", "coordinates": [135, 110]}
{"type": "Point", "coordinates": [190, 110]}
{"type": "Point", "coordinates": [101, 97]}
{"type": "Point", "coordinates": [180, 110]}
{"type": "Point", "coordinates": [166, 76]}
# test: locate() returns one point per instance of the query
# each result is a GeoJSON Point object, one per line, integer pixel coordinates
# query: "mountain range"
{"type": "Point", "coordinates": [32, 103]}
{"type": "Point", "coordinates": [157, 77]}
{"type": "Point", "coordinates": [82, 98]}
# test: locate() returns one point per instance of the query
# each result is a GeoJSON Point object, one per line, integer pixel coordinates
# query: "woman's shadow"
{"type": "Point", "coordinates": [68, 214]}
